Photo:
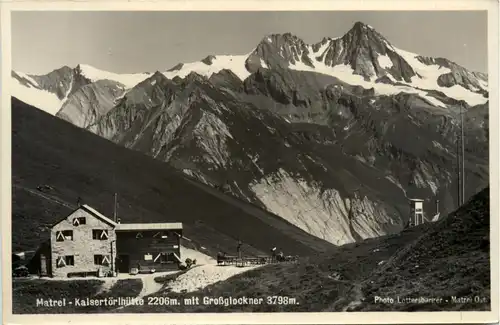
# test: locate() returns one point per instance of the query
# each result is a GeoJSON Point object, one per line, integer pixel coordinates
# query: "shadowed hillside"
{"type": "Point", "coordinates": [451, 260]}
{"type": "Point", "coordinates": [75, 163]}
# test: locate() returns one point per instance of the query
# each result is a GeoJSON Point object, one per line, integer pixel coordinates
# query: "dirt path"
{"type": "Point", "coordinates": [46, 196]}
{"type": "Point", "coordinates": [107, 285]}
{"type": "Point", "coordinates": [149, 286]}
{"type": "Point", "coordinates": [356, 298]}
{"type": "Point", "coordinates": [355, 294]}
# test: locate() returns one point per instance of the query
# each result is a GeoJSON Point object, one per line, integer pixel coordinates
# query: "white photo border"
{"type": "Point", "coordinates": [250, 318]}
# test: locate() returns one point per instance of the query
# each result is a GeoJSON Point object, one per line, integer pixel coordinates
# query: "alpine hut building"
{"type": "Point", "coordinates": [88, 243]}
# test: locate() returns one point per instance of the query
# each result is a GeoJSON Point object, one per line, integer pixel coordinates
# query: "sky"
{"type": "Point", "coordinates": [127, 42]}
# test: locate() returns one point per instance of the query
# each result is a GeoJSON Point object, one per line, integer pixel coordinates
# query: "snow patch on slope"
{"type": "Point", "coordinates": [29, 78]}
{"type": "Point", "coordinates": [235, 63]}
{"type": "Point", "coordinates": [129, 80]}
{"type": "Point", "coordinates": [428, 81]}
{"type": "Point", "coordinates": [384, 61]}
{"type": "Point", "coordinates": [430, 75]}
{"type": "Point", "coordinates": [39, 98]}
{"type": "Point", "coordinates": [346, 73]}
{"type": "Point", "coordinates": [65, 99]}
{"type": "Point", "coordinates": [321, 50]}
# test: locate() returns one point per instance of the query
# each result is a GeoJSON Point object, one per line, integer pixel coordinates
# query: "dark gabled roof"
{"type": "Point", "coordinates": [93, 212]}
{"type": "Point", "coordinates": [148, 226]}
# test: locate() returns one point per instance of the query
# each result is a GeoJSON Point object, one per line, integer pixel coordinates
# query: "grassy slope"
{"type": "Point", "coordinates": [452, 259]}
{"type": "Point", "coordinates": [47, 150]}
{"type": "Point", "coordinates": [26, 293]}
{"type": "Point", "coordinates": [311, 282]}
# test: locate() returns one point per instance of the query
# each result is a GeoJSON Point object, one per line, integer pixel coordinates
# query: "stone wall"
{"type": "Point", "coordinates": [83, 247]}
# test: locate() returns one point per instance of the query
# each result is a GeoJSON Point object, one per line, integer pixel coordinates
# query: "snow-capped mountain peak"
{"type": "Point", "coordinates": [361, 57]}
{"type": "Point", "coordinates": [361, 27]}
{"type": "Point", "coordinates": [94, 74]}
{"type": "Point", "coordinates": [279, 51]}
{"type": "Point", "coordinates": [364, 57]}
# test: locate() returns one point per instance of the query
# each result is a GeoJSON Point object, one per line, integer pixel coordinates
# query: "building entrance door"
{"type": "Point", "coordinates": [123, 264]}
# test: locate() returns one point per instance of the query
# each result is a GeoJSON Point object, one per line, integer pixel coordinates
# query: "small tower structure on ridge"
{"type": "Point", "coordinates": [416, 212]}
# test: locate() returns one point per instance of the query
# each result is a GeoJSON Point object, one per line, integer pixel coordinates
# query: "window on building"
{"type": "Point", "coordinates": [70, 260]}
{"type": "Point", "coordinates": [165, 258]}
{"type": "Point", "coordinates": [102, 260]}
{"type": "Point", "coordinates": [100, 234]}
{"type": "Point", "coordinates": [79, 221]}
{"type": "Point", "coordinates": [63, 261]}
{"type": "Point", "coordinates": [64, 235]}
{"type": "Point", "coordinates": [161, 234]}
{"type": "Point", "coordinates": [60, 262]}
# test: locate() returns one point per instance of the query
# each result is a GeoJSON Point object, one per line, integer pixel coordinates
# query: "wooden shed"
{"type": "Point", "coordinates": [148, 246]}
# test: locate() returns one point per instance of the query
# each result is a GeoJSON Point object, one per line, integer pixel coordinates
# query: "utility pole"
{"type": "Point", "coordinates": [115, 205]}
{"type": "Point", "coordinates": [462, 139]}
{"type": "Point", "coordinates": [115, 208]}
{"type": "Point", "coordinates": [459, 168]}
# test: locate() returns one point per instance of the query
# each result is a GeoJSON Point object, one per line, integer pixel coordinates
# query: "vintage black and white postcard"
{"type": "Point", "coordinates": [250, 162]}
